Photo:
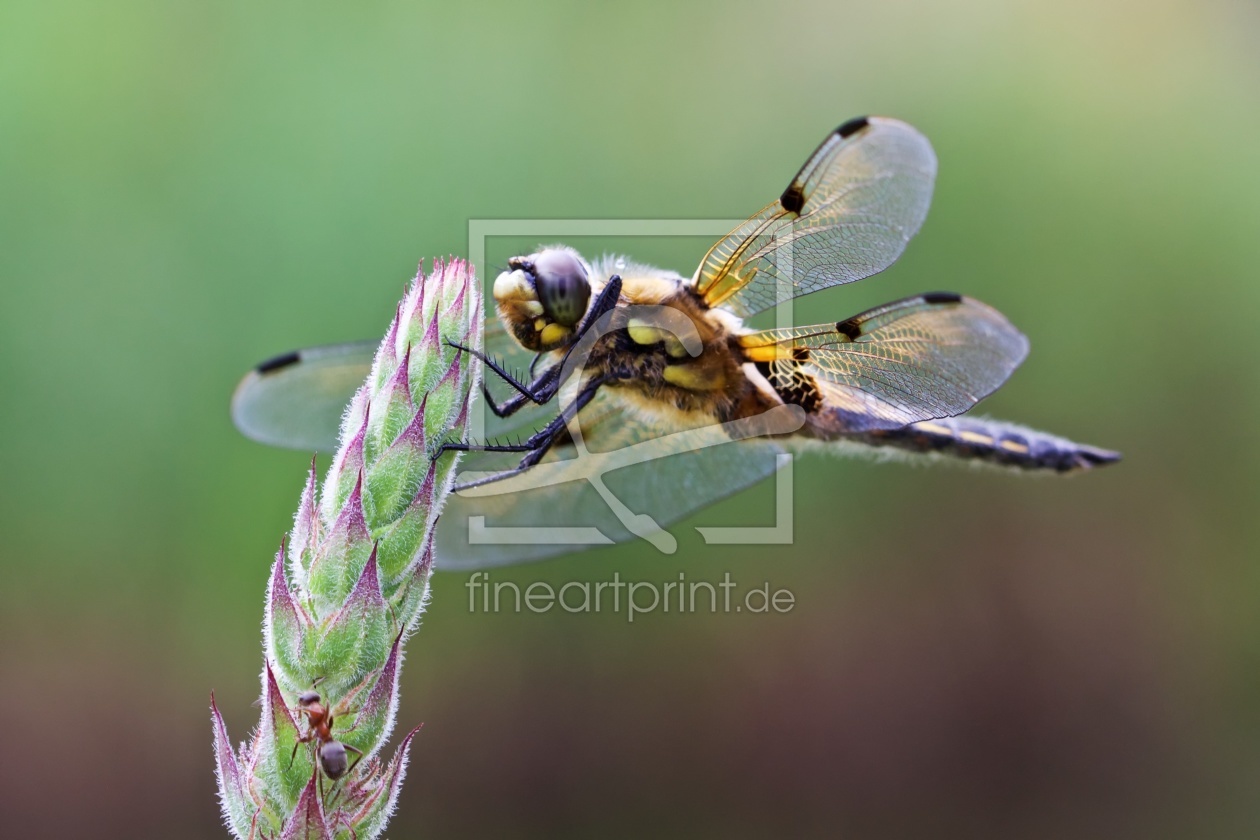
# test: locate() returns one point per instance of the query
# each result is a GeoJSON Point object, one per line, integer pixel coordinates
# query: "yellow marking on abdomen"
{"type": "Point", "coordinates": [1012, 446]}
{"type": "Point", "coordinates": [975, 437]}
{"type": "Point", "coordinates": [933, 429]}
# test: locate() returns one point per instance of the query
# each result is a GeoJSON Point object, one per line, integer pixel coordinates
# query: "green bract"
{"type": "Point", "coordinates": [352, 579]}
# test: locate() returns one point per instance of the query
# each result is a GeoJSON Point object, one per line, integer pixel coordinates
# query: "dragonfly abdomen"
{"type": "Point", "coordinates": [992, 441]}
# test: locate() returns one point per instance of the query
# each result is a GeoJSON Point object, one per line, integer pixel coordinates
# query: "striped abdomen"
{"type": "Point", "coordinates": [992, 441]}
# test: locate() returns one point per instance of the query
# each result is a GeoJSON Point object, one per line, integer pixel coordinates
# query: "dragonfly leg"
{"type": "Point", "coordinates": [547, 384]}
{"type": "Point", "coordinates": [525, 390]}
{"type": "Point", "coordinates": [536, 445]}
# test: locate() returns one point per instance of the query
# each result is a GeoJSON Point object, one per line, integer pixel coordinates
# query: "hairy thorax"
{"type": "Point", "coordinates": [647, 359]}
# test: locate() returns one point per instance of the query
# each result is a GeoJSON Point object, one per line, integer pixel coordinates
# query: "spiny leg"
{"type": "Point", "coordinates": [540, 391]}
{"type": "Point", "coordinates": [358, 756]}
{"type": "Point", "coordinates": [539, 439]}
{"type": "Point", "coordinates": [347, 713]}
{"type": "Point", "coordinates": [342, 819]}
{"type": "Point", "coordinates": [302, 739]}
{"type": "Point", "coordinates": [547, 384]}
{"type": "Point", "coordinates": [538, 443]}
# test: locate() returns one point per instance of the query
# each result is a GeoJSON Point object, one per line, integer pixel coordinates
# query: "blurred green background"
{"type": "Point", "coordinates": [187, 188]}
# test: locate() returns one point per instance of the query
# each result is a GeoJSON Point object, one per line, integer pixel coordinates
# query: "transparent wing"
{"type": "Point", "coordinates": [660, 473]}
{"type": "Point", "coordinates": [847, 214]}
{"type": "Point", "coordinates": [649, 479]}
{"type": "Point", "coordinates": [296, 400]}
{"type": "Point", "coordinates": [925, 357]}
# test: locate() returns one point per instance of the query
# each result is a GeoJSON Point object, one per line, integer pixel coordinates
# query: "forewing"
{"type": "Point", "coordinates": [847, 214]}
{"type": "Point", "coordinates": [661, 473]}
{"type": "Point", "coordinates": [925, 357]}
{"type": "Point", "coordinates": [297, 400]}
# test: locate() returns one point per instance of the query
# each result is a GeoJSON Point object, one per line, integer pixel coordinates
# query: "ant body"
{"type": "Point", "coordinates": [332, 753]}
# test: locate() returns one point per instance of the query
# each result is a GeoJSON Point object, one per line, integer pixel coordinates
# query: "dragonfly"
{"type": "Point", "coordinates": [668, 400]}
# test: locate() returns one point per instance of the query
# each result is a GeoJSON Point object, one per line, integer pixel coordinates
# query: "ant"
{"type": "Point", "coordinates": [332, 753]}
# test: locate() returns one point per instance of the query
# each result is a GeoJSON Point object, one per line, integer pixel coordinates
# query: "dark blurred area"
{"type": "Point", "coordinates": [186, 189]}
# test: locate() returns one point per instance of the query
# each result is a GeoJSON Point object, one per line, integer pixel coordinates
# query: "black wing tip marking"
{"type": "Point", "coordinates": [279, 362]}
{"type": "Point", "coordinates": [793, 198]}
{"type": "Point", "coordinates": [853, 126]}
{"type": "Point", "coordinates": [853, 328]}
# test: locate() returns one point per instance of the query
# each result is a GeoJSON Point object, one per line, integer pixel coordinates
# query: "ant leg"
{"type": "Point", "coordinates": [347, 713]}
{"type": "Point", "coordinates": [358, 756]}
{"type": "Point", "coordinates": [303, 739]}
{"type": "Point", "coordinates": [343, 820]}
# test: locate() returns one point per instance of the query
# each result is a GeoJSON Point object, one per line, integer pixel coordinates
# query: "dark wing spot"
{"type": "Point", "coordinates": [851, 329]}
{"type": "Point", "coordinates": [800, 354]}
{"type": "Point", "coordinates": [853, 126]}
{"type": "Point", "coordinates": [279, 362]}
{"type": "Point", "coordinates": [942, 297]}
{"type": "Point", "coordinates": [793, 198]}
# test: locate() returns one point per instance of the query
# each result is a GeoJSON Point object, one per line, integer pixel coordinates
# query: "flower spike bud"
{"type": "Point", "coordinates": [285, 627]}
{"type": "Point", "coordinates": [347, 464]}
{"type": "Point", "coordinates": [307, 821]}
{"type": "Point", "coordinates": [357, 637]}
{"type": "Point", "coordinates": [351, 582]}
{"type": "Point", "coordinates": [395, 410]}
{"type": "Point", "coordinates": [343, 554]}
{"type": "Point", "coordinates": [386, 356]}
{"type": "Point", "coordinates": [306, 528]}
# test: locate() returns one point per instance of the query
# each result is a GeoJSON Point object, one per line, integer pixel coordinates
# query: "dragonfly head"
{"type": "Point", "coordinates": [543, 296]}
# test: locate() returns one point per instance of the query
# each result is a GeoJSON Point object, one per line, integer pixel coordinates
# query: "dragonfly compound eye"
{"type": "Point", "coordinates": [563, 288]}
